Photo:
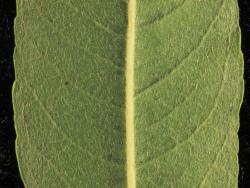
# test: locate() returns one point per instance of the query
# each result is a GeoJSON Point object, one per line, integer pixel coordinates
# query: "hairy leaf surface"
{"type": "Point", "coordinates": [110, 93]}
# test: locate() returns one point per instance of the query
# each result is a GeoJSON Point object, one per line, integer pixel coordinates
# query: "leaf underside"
{"type": "Point", "coordinates": [69, 93]}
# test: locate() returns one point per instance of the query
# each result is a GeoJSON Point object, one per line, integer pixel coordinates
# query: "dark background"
{"type": "Point", "coordinates": [9, 174]}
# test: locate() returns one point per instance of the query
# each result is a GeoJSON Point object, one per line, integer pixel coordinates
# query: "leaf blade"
{"type": "Point", "coordinates": [70, 93]}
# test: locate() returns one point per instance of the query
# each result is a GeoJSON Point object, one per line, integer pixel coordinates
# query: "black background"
{"type": "Point", "coordinates": [9, 174]}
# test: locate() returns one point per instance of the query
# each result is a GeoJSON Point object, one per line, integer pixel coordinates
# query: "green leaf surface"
{"type": "Point", "coordinates": [110, 93]}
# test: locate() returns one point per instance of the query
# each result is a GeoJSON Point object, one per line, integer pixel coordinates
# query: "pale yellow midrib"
{"type": "Point", "coordinates": [130, 133]}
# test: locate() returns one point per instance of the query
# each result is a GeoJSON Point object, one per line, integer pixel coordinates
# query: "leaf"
{"type": "Point", "coordinates": [144, 94]}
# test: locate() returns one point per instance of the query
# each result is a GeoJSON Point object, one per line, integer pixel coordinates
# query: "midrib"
{"type": "Point", "coordinates": [130, 133]}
